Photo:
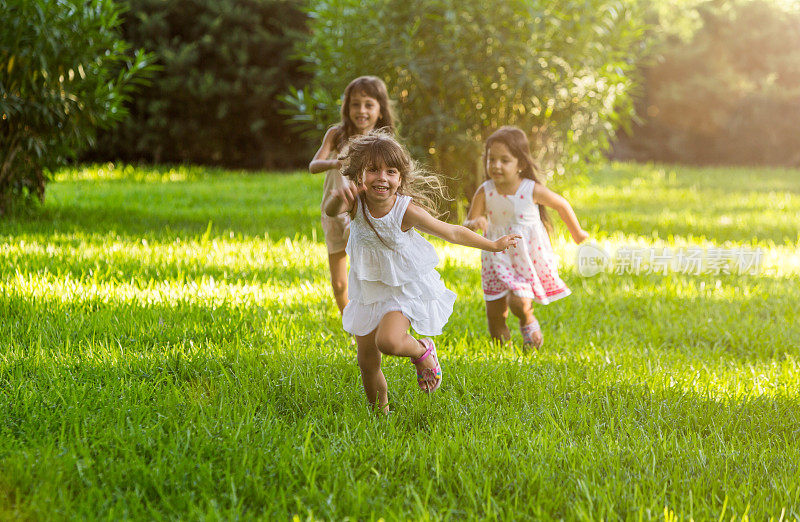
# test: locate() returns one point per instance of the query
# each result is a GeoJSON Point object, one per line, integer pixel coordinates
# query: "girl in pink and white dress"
{"type": "Point", "coordinates": [512, 201]}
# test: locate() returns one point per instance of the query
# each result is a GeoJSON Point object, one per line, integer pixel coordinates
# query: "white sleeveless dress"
{"type": "Point", "coordinates": [399, 275]}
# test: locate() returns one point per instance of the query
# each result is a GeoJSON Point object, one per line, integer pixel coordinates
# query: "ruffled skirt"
{"type": "Point", "coordinates": [530, 270]}
{"type": "Point", "coordinates": [425, 302]}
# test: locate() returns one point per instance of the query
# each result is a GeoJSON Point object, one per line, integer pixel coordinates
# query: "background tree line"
{"type": "Point", "coordinates": [725, 91]}
{"type": "Point", "coordinates": [254, 83]}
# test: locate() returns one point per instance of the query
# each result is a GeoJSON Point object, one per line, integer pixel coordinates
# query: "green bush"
{"type": "Point", "coordinates": [64, 73]}
{"type": "Point", "coordinates": [728, 94]}
{"type": "Point", "coordinates": [459, 69]}
{"type": "Point", "coordinates": [223, 62]}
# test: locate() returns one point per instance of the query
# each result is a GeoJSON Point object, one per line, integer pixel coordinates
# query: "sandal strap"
{"type": "Point", "coordinates": [427, 344]}
{"type": "Point", "coordinates": [528, 330]}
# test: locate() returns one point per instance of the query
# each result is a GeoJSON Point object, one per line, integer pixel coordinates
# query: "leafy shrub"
{"type": "Point", "coordinates": [459, 69]}
{"type": "Point", "coordinates": [214, 99]}
{"type": "Point", "coordinates": [64, 73]}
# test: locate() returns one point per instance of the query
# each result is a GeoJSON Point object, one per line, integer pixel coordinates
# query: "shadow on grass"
{"type": "Point", "coordinates": [59, 326]}
{"type": "Point", "coordinates": [121, 267]}
{"type": "Point", "coordinates": [246, 206]}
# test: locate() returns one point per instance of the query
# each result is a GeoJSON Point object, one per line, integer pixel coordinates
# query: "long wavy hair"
{"type": "Point", "coordinates": [373, 87]}
{"type": "Point", "coordinates": [517, 142]}
{"type": "Point", "coordinates": [379, 146]}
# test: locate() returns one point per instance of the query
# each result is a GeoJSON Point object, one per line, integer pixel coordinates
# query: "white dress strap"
{"type": "Point", "coordinates": [527, 190]}
{"type": "Point", "coordinates": [400, 207]}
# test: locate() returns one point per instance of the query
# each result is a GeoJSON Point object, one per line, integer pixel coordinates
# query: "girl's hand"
{"type": "Point", "coordinates": [580, 236]}
{"type": "Point", "coordinates": [479, 223]}
{"type": "Point", "coordinates": [505, 242]}
{"type": "Point", "coordinates": [343, 199]}
{"type": "Point", "coordinates": [349, 194]}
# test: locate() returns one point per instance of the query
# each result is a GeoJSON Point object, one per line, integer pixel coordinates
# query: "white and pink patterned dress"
{"type": "Point", "coordinates": [531, 269]}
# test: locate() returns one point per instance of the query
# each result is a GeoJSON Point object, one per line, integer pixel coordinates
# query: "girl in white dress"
{"type": "Point", "coordinates": [513, 201]}
{"type": "Point", "coordinates": [393, 281]}
{"type": "Point", "coordinates": [366, 106]}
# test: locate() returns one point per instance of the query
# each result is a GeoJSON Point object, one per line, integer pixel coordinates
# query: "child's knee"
{"type": "Point", "coordinates": [388, 344]}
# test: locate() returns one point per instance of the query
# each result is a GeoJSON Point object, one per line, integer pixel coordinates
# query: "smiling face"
{"type": "Point", "coordinates": [364, 111]}
{"type": "Point", "coordinates": [501, 165]}
{"type": "Point", "coordinates": [381, 181]}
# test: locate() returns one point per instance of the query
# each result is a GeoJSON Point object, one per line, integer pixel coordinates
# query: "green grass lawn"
{"type": "Point", "coordinates": [169, 349]}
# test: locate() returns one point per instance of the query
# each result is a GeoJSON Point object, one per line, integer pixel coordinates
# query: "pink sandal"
{"type": "Point", "coordinates": [427, 373]}
{"type": "Point", "coordinates": [527, 336]}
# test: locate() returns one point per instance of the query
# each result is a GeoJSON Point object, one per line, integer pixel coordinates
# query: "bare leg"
{"type": "Point", "coordinates": [392, 338]}
{"type": "Point", "coordinates": [369, 362]}
{"type": "Point", "coordinates": [523, 309]}
{"type": "Point", "coordinates": [496, 314]}
{"type": "Point", "coordinates": [338, 266]}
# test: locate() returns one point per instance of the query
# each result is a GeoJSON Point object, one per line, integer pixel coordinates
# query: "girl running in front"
{"type": "Point", "coordinates": [366, 106]}
{"type": "Point", "coordinates": [512, 201]}
{"type": "Point", "coordinates": [393, 281]}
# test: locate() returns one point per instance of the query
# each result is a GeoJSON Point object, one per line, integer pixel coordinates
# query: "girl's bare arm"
{"type": "Point", "coordinates": [476, 217]}
{"type": "Point", "coordinates": [544, 196]}
{"type": "Point", "coordinates": [320, 163]}
{"type": "Point", "coordinates": [421, 220]}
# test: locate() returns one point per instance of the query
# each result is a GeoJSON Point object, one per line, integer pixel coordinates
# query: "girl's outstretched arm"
{"type": "Point", "coordinates": [420, 219]}
{"type": "Point", "coordinates": [476, 217]}
{"type": "Point", "coordinates": [320, 162]}
{"type": "Point", "coordinates": [343, 200]}
{"type": "Point", "coordinates": [544, 196]}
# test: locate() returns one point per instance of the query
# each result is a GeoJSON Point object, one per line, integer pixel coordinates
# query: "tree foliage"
{"type": "Point", "coordinates": [730, 93]}
{"type": "Point", "coordinates": [64, 73]}
{"type": "Point", "coordinates": [223, 63]}
{"type": "Point", "coordinates": [459, 69]}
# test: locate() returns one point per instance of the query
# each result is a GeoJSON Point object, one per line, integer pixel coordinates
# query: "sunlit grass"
{"type": "Point", "coordinates": [169, 348]}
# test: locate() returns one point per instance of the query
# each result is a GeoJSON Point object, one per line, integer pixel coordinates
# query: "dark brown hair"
{"type": "Point", "coordinates": [373, 87]}
{"type": "Point", "coordinates": [517, 143]}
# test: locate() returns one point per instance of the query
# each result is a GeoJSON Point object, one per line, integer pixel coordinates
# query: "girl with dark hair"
{"type": "Point", "coordinates": [513, 201]}
{"type": "Point", "coordinates": [365, 106]}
